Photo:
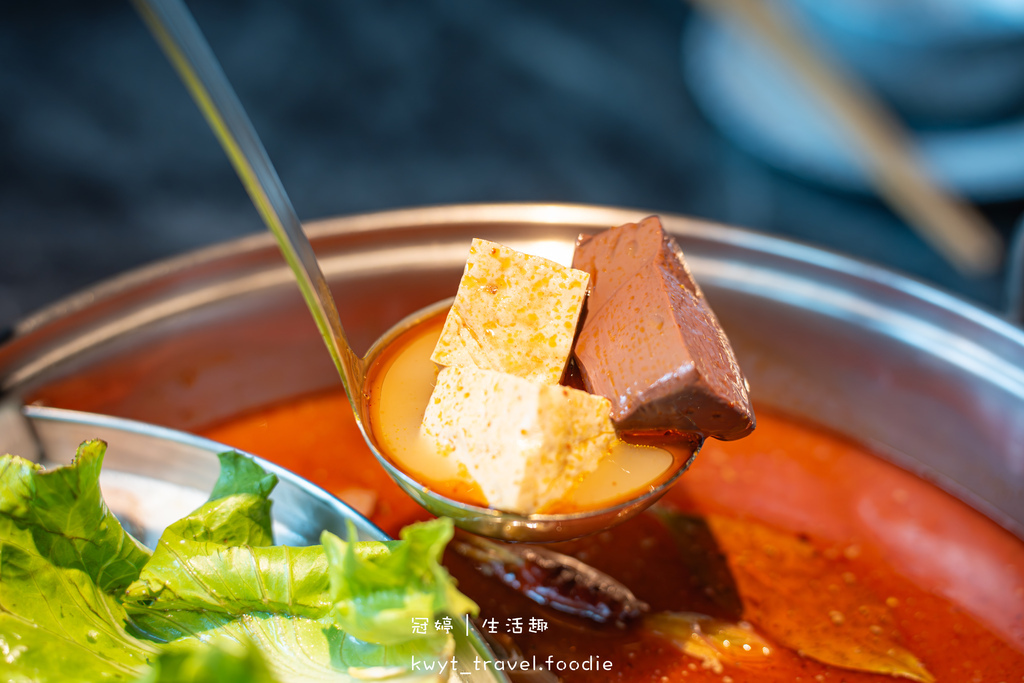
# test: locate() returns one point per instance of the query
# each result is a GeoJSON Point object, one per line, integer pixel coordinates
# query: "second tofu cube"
{"type": "Point", "coordinates": [525, 444]}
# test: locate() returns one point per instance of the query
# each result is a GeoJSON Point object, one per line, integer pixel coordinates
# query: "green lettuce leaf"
{"type": "Point", "coordinates": [215, 576]}
{"type": "Point", "coordinates": [69, 522]}
{"type": "Point", "coordinates": [188, 575]}
{"type": "Point", "coordinates": [280, 599]}
{"type": "Point", "coordinates": [276, 614]}
{"type": "Point", "coordinates": [220, 559]}
{"type": "Point", "coordinates": [236, 659]}
{"type": "Point", "coordinates": [224, 661]}
{"type": "Point", "coordinates": [225, 519]}
{"type": "Point", "coordinates": [378, 589]}
{"type": "Point", "coordinates": [299, 649]}
{"type": "Point", "coordinates": [56, 624]}
{"type": "Point", "coordinates": [60, 550]}
{"type": "Point", "coordinates": [242, 519]}
{"type": "Point", "coordinates": [241, 474]}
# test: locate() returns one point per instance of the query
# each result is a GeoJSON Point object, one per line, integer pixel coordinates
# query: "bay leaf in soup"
{"type": "Point", "coordinates": [812, 604]}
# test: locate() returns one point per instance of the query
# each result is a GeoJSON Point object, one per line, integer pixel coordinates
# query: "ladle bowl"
{"type": "Point", "coordinates": [186, 48]}
{"type": "Point", "coordinates": [536, 528]}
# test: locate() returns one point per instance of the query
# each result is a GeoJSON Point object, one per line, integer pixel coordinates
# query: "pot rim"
{"type": "Point", "coordinates": [595, 216]}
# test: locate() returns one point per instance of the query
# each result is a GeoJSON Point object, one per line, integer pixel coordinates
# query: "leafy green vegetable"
{"type": "Point", "coordinates": [187, 574]}
{"type": "Point", "coordinates": [240, 519]}
{"type": "Point", "coordinates": [301, 649]}
{"type": "Point", "coordinates": [220, 558]}
{"type": "Point", "coordinates": [69, 522]}
{"type": "Point", "coordinates": [61, 550]}
{"type": "Point", "coordinates": [281, 598]}
{"type": "Point", "coordinates": [214, 573]}
{"type": "Point", "coordinates": [241, 474]}
{"type": "Point", "coordinates": [378, 588]}
{"type": "Point", "coordinates": [215, 560]}
{"type": "Point", "coordinates": [223, 662]}
{"type": "Point", "coordinates": [229, 520]}
{"type": "Point", "coordinates": [65, 612]}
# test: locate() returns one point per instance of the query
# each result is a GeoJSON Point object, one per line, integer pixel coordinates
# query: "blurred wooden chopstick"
{"type": "Point", "coordinates": [956, 229]}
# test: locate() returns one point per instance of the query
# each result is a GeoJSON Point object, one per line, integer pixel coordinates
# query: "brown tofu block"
{"type": "Point", "coordinates": [650, 343]}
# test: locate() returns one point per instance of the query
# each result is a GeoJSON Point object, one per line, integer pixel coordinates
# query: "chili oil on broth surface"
{"type": "Point", "coordinates": [400, 386]}
{"type": "Point", "coordinates": [949, 580]}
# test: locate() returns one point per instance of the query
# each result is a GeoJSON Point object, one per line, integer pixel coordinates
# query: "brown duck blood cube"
{"type": "Point", "coordinates": [649, 341]}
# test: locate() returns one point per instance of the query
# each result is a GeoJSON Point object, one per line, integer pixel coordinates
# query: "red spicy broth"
{"type": "Point", "coordinates": [948, 580]}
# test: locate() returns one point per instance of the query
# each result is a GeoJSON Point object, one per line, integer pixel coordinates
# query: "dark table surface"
{"type": "Point", "coordinates": [107, 165]}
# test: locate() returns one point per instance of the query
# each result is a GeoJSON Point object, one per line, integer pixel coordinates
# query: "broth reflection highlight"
{"type": "Point", "coordinates": [842, 538]}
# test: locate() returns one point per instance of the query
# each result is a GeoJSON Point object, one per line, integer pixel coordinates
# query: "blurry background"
{"type": "Point", "coordinates": [106, 164]}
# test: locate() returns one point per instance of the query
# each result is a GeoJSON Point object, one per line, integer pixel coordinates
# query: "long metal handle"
{"type": "Point", "coordinates": [177, 33]}
{"type": "Point", "coordinates": [1015, 276]}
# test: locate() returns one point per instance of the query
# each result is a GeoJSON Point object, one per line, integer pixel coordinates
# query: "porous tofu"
{"type": "Point", "coordinates": [513, 313]}
{"type": "Point", "coordinates": [525, 444]}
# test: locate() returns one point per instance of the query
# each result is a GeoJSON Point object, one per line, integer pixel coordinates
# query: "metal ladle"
{"type": "Point", "coordinates": [177, 33]}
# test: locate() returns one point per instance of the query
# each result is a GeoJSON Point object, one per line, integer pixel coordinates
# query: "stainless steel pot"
{"type": "Point", "coordinates": [926, 379]}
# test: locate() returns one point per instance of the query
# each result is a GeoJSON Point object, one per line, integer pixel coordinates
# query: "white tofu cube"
{"type": "Point", "coordinates": [513, 313]}
{"type": "Point", "coordinates": [525, 444]}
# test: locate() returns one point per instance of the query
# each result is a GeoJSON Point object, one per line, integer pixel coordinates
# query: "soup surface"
{"type": "Point", "coordinates": [831, 549]}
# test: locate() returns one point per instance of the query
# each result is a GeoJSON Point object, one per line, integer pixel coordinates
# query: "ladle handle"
{"type": "Point", "coordinates": [177, 33]}
{"type": "Point", "coordinates": [1015, 276]}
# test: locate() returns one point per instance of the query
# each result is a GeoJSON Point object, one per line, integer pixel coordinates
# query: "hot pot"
{"type": "Point", "coordinates": [923, 378]}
